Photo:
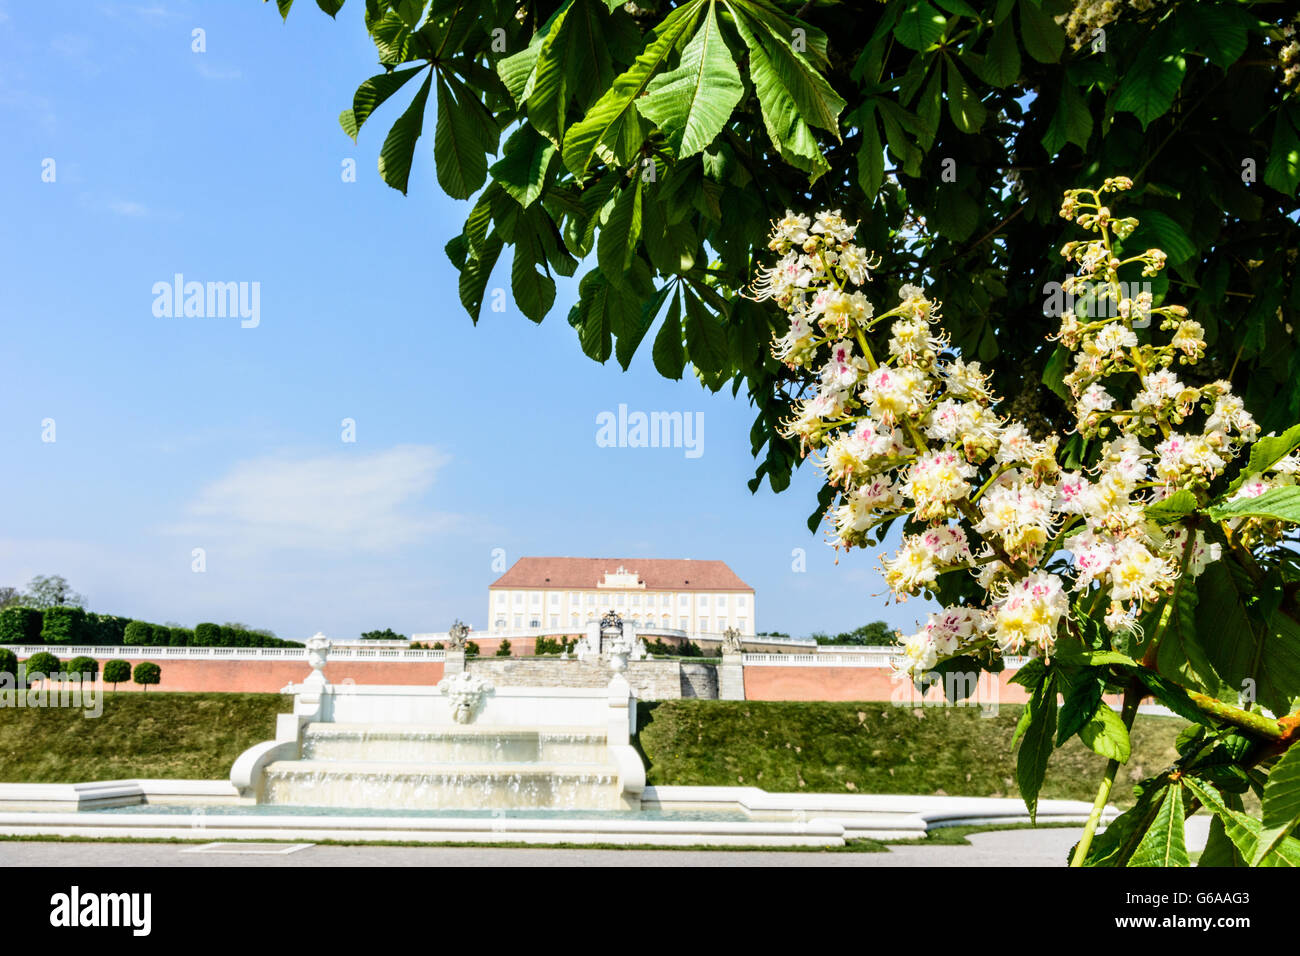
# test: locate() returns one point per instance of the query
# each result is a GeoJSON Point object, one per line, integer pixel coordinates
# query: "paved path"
{"type": "Point", "coordinates": [1003, 848]}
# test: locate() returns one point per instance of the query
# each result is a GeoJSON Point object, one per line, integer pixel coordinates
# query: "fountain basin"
{"type": "Point", "coordinates": [410, 786]}
{"type": "Point", "coordinates": [462, 745]}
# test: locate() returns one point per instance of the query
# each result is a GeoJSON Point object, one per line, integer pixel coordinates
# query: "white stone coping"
{"type": "Point", "coordinates": [776, 819]}
{"type": "Point", "coordinates": [362, 829]}
{"type": "Point", "coordinates": [882, 816]}
{"type": "Point", "coordinates": [114, 793]}
{"type": "Point", "coordinates": [433, 690]}
{"type": "Point", "coordinates": [844, 658]}
{"type": "Point", "coordinates": [151, 652]}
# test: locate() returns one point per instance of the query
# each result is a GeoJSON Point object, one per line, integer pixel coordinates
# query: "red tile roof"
{"type": "Point", "coordinates": [658, 574]}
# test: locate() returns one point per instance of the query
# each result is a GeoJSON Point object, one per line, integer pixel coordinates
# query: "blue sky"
{"type": "Point", "coordinates": [179, 433]}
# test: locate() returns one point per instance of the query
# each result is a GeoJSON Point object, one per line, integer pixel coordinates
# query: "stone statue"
{"type": "Point", "coordinates": [465, 693]}
{"type": "Point", "coordinates": [457, 634]}
{"type": "Point", "coordinates": [731, 641]}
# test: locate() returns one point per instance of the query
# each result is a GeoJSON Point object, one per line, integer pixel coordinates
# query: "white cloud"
{"type": "Point", "coordinates": [340, 502]}
{"type": "Point", "coordinates": [125, 207]}
{"type": "Point", "coordinates": [209, 72]}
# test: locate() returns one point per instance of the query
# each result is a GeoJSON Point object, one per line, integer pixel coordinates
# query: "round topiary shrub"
{"type": "Point", "coordinates": [83, 668]}
{"type": "Point", "coordinates": [207, 634]}
{"type": "Point", "coordinates": [40, 665]}
{"type": "Point", "coordinates": [8, 662]}
{"type": "Point", "coordinates": [180, 637]}
{"type": "Point", "coordinates": [146, 673]}
{"type": "Point", "coordinates": [117, 672]}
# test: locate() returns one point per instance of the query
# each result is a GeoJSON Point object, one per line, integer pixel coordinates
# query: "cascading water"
{"type": "Point", "coordinates": [403, 766]}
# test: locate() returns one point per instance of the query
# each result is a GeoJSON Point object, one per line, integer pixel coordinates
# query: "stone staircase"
{"type": "Point", "coordinates": [699, 680]}
{"type": "Point", "coordinates": [651, 680]}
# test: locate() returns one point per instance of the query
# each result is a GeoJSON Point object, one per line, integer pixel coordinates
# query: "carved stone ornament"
{"type": "Point", "coordinates": [465, 692]}
{"type": "Point", "coordinates": [457, 636]}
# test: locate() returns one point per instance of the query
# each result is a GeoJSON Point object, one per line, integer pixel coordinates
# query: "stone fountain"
{"type": "Point", "coordinates": [463, 744]}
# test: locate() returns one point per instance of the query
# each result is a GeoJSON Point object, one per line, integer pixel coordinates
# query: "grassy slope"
{"type": "Point", "coordinates": [872, 748]}
{"type": "Point", "coordinates": [166, 735]}
{"type": "Point", "coordinates": [817, 747]}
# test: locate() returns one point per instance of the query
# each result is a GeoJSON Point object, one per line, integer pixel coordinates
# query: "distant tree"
{"type": "Point", "coordinates": [10, 597]}
{"type": "Point", "coordinates": [117, 672]}
{"type": "Point", "coordinates": [239, 626]}
{"type": "Point", "coordinates": [873, 634]}
{"type": "Point", "coordinates": [387, 634]}
{"type": "Point", "coordinates": [771, 634]}
{"type": "Point", "coordinates": [471, 649]}
{"type": "Point", "coordinates": [51, 591]}
{"type": "Point", "coordinates": [146, 673]}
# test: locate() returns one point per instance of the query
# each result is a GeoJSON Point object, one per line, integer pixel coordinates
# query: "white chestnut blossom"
{"type": "Point", "coordinates": [903, 426]}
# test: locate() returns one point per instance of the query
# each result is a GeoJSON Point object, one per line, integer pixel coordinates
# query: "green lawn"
{"type": "Point", "coordinates": [814, 747]}
{"type": "Point", "coordinates": [873, 748]}
{"type": "Point", "coordinates": [165, 735]}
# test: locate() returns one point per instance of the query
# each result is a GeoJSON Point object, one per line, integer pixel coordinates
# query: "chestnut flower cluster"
{"type": "Point", "coordinates": [903, 426]}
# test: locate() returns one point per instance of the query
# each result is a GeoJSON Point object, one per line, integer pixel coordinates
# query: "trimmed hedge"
{"type": "Point", "coordinates": [106, 628]}
{"type": "Point", "coordinates": [64, 625]}
{"type": "Point", "coordinates": [20, 625]}
{"type": "Point", "coordinates": [72, 625]}
{"type": "Point", "coordinates": [138, 633]}
{"type": "Point", "coordinates": [207, 635]}
{"type": "Point", "coordinates": [8, 662]}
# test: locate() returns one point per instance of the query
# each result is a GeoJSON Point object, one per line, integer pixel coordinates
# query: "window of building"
{"type": "Point", "coordinates": [684, 600]}
{"type": "Point", "coordinates": [535, 623]}
{"type": "Point", "coordinates": [555, 600]}
{"type": "Point", "coordinates": [704, 600]}
{"type": "Point", "coordinates": [591, 599]}
{"type": "Point", "coordinates": [519, 598]}
{"type": "Point", "coordinates": [665, 600]}
{"type": "Point", "coordinates": [740, 623]}
{"type": "Point", "coordinates": [500, 624]}
{"type": "Point", "coordinates": [740, 600]}
{"type": "Point", "coordinates": [519, 621]}
{"type": "Point", "coordinates": [537, 599]}
{"type": "Point", "coordinates": [618, 600]}
{"type": "Point", "coordinates": [636, 600]}
{"type": "Point", "coordinates": [682, 624]}
{"type": "Point", "coordinates": [555, 620]}
{"type": "Point", "coordinates": [501, 599]}
{"type": "Point", "coordinates": [575, 597]}
{"type": "Point", "coordinates": [704, 624]}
